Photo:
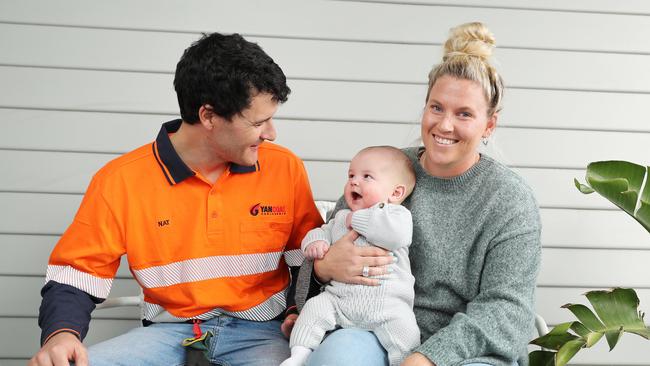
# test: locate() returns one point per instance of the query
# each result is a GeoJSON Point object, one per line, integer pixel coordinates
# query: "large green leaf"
{"type": "Point", "coordinates": [541, 358]}
{"type": "Point", "coordinates": [556, 338]}
{"type": "Point", "coordinates": [621, 183]}
{"type": "Point", "coordinates": [567, 351]}
{"type": "Point", "coordinates": [618, 309]}
{"type": "Point", "coordinates": [585, 316]}
{"type": "Point", "coordinates": [585, 333]}
{"type": "Point", "coordinates": [616, 312]}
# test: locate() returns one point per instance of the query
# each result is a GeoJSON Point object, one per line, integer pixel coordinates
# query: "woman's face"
{"type": "Point", "coordinates": [453, 123]}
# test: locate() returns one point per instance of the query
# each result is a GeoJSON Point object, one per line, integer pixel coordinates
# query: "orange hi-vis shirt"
{"type": "Point", "coordinates": [197, 249]}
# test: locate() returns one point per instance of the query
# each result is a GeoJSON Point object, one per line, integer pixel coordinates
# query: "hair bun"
{"type": "Point", "coordinates": [471, 39]}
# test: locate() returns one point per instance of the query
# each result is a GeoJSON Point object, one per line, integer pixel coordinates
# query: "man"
{"type": "Point", "coordinates": [209, 216]}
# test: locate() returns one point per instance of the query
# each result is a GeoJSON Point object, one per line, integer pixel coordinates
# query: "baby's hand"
{"type": "Point", "coordinates": [317, 249]}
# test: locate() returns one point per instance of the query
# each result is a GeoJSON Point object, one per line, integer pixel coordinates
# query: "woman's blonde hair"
{"type": "Point", "coordinates": [467, 51]}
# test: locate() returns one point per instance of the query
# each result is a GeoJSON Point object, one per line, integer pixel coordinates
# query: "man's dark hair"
{"type": "Point", "coordinates": [226, 72]}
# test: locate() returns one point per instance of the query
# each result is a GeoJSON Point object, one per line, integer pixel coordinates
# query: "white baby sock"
{"type": "Point", "coordinates": [298, 357]}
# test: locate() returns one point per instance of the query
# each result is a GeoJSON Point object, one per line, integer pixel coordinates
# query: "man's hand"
{"type": "Point", "coordinates": [317, 249]}
{"type": "Point", "coordinates": [287, 324]}
{"type": "Point", "coordinates": [59, 350]}
{"type": "Point", "coordinates": [417, 359]}
{"type": "Point", "coordinates": [344, 262]}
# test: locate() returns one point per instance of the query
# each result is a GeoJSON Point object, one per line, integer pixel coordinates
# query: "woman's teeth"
{"type": "Point", "coordinates": [444, 141]}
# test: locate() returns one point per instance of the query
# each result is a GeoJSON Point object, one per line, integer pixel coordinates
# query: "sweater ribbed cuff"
{"type": "Point", "coordinates": [361, 221]}
{"type": "Point", "coordinates": [436, 352]}
{"type": "Point", "coordinates": [312, 236]}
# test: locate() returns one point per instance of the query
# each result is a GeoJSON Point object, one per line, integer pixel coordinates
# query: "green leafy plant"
{"type": "Point", "coordinates": [627, 185]}
{"type": "Point", "coordinates": [621, 182]}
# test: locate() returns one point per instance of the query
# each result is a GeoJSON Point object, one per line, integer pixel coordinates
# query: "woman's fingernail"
{"type": "Point", "coordinates": [391, 254]}
{"type": "Point", "coordinates": [389, 270]}
{"type": "Point", "coordinates": [395, 259]}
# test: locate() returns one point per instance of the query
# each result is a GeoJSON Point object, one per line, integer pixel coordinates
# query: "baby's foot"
{"type": "Point", "coordinates": [299, 355]}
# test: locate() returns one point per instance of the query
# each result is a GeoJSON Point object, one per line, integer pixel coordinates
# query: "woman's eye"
{"type": "Point", "coordinates": [436, 108]}
{"type": "Point", "coordinates": [465, 114]}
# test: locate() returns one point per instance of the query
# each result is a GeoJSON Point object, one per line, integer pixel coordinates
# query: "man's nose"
{"type": "Point", "coordinates": [269, 133]}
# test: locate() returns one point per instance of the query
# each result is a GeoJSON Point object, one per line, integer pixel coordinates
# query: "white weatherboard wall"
{"type": "Point", "coordinates": [84, 81]}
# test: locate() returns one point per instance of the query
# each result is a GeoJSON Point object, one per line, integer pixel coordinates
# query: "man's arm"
{"type": "Point", "coordinates": [79, 275]}
{"type": "Point", "coordinates": [64, 308]}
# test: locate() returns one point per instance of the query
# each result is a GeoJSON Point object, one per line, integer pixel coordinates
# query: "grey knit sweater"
{"type": "Point", "coordinates": [475, 256]}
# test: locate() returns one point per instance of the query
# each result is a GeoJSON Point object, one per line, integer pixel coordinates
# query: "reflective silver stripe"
{"type": "Point", "coordinates": [95, 286]}
{"type": "Point", "coordinates": [207, 268]}
{"type": "Point", "coordinates": [267, 310]}
{"type": "Point", "coordinates": [294, 257]}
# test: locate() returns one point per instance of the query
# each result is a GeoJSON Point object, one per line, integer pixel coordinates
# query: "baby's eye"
{"type": "Point", "coordinates": [367, 176]}
{"type": "Point", "coordinates": [350, 176]}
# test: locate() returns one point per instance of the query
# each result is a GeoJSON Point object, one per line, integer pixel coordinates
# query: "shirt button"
{"type": "Point", "coordinates": [214, 214]}
{"type": "Point", "coordinates": [381, 205]}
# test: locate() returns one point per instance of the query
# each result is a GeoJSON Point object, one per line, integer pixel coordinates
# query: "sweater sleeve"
{"type": "Point", "coordinates": [323, 233]}
{"type": "Point", "coordinates": [385, 225]}
{"type": "Point", "coordinates": [498, 322]}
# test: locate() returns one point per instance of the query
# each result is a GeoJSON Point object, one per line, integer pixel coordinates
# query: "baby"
{"type": "Point", "coordinates": [379, 179]}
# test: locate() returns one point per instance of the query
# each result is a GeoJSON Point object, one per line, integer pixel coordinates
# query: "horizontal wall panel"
{"type": "Point", "coordinates": [518, 147]}
{"type": "Point", "coordinates": [311, 140]}
{"type": "Point", "coordinates": [21, 335]}
{"type": "Point", "coordinates": [126, 92]}
{"type": "Point", "coordinates": [25, 298]}
{"type": "Point", "coordinates": [318, 59]}
{"type": "Point", "coordinates": [41, 213]}
{"type": "Point", "coordinates": [595, 268]}
{"type": "Point", "coordinates": [340, 20]}
{"type": "Point", "coordinates": [58, 172]}
{"type": "Point", "coordinates": [592, 229]}
{"type": "Point", "coordinates": [27, 255]}
{"type": "Point", "coordinates": [560, 265]}
{"type": "Point", "coordinates": [605, 6]}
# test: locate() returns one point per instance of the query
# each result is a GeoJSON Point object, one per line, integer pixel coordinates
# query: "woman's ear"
{"type": "Point", "coordinates": [398, 194]}
{"type": "Point", "coordinates": [491, 125]}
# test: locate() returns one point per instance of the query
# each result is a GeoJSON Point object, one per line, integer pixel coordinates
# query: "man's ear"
{"type": "Point", "coordinates": [206, 116]}
{"type": "Point", "coordinates": [398, 194]}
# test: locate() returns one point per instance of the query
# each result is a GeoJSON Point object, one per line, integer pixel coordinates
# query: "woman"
{"type": "Point", "coordinates": [476, 236]}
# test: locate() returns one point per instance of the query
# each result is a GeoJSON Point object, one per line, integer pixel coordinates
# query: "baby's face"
{"type": "Point", "coordinates": [369, 181]}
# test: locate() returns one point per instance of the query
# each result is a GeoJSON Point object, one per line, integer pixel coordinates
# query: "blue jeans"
{"type": "Point", "coordinates": [235, 342]}
{"type": "Point", "coordinates": [353, 347]}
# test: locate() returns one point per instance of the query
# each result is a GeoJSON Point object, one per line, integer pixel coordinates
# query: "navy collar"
{"type": "Point", "coordinates": [173, 167]}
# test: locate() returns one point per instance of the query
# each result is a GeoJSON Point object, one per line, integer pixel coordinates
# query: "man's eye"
{"type": "Point", "coordinates": [436, 108]}
{"type": "Point", "coordinates": [465, 114]}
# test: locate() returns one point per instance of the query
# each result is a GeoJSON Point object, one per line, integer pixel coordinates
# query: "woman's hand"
{"type": "Point", "coordinates": [344, 262]}
{"type": "Point", "coordinates": [417, 359]}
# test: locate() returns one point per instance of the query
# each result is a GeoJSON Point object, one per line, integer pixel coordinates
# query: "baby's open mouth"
{"type": "Point", "coordinates": [356, 196]}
